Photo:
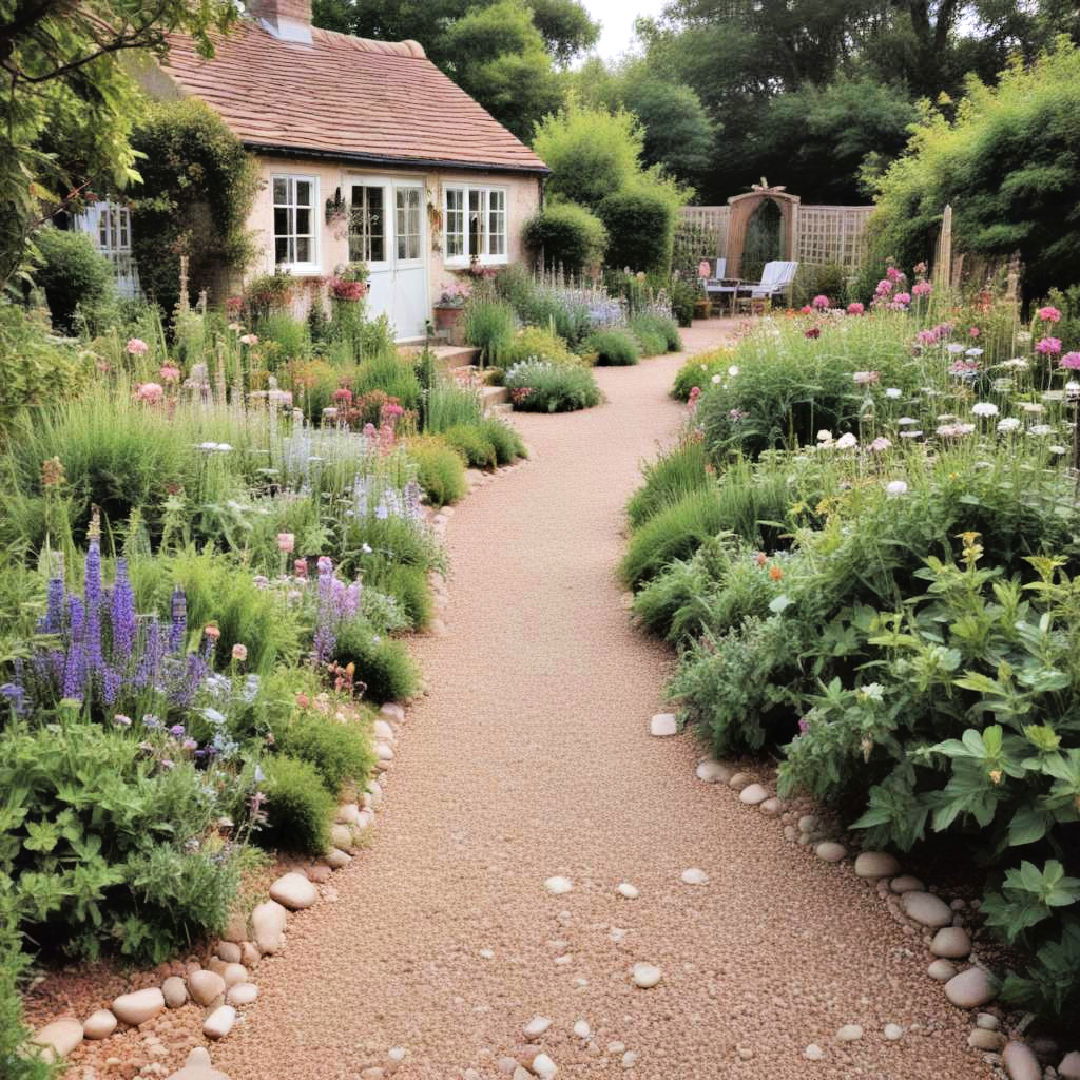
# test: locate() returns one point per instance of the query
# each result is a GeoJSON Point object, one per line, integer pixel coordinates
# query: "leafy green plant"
{"type": "Point", "coordinates": [439, 470]}
{"type": "Point", "coordinates": [678, 471]}
{"type": "Point", "coordinates": [613, 347]}
{"type": "Point", "coordinates": [339, 750]}
{"type": "Point", "coordinates": [541, 386]}
{"type": "Point", "coordinates": [505, 439]}
{"type": "Point", "coordinates": [538, 343]}
{"type": "Point", "coordinates": [75, 277]}
{"type": "Point", "coordinates": [298, 809]}
{"type": "Point", "coordinates": [655, 326]}
{"type": "Point", "coordinates": [382, 664]}
{"type": "Point", "coordinates": [700, 371]}
{"type": "Point", "coordinates": [566, 235]}
{"type": "Point", "coordinates": [470, 441]}
{"type": "Point", "coordinates": [489, 324]}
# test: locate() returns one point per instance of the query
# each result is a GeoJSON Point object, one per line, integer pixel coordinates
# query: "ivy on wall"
{"type": "Point", "coordinates": [198, 187]}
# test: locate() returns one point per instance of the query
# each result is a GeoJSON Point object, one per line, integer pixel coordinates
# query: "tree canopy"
{"type": "Point", "coordinates": [68, 104]}
{"type": "Point", "coordinates": [506, 53]}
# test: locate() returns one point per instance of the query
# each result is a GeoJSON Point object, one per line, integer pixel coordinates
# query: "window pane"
{"type": "Point", "coordinates": [377, 249]}
{"type": "Point", "coordinates": [281, 250]}
{"type": "Point", "coordinates": [476, 223]}
{"type": "Point", "coordinates": [356, 248]}
{"type": "Point", "coordinates": [455, 221]}
{"type": "Point", "coordinates": [303, 222]}
{"type": "Point", "coordinates": [281, 190]}
{"type": "Point", "coordinates": [281, 222]}
{"type": "Point", "coordinates": [303, 192]}
{"type": "Point", "coordinates": [303, 249]}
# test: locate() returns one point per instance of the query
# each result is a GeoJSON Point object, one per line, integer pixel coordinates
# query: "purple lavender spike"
{"type": "Point", "coordinates": [122, 614]}
{"type": "Point", "coordinates": [52, 622]}
{"type": "Point", "coordinates": [92, 602]}
{"type": "Point", "coordinates": [75, 662]}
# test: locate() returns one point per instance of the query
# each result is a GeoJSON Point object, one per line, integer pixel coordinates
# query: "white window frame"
{"type": "Point", "coordinates": [483, 193]}
{"type": "Point", "coordinates": [314, 265]}
{"type": "Point", "coordinates": [388, 221]}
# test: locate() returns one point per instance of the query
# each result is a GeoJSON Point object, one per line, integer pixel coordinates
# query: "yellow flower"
{"type": "Point", "coordinates": [995, 776]}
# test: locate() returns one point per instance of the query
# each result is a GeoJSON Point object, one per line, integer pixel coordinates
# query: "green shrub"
{"type": "Point", "coordinates": [676, 472]}
{"type": "Point", "coordinates": [381, 663]}
{"type": "Point", "coordinates": [684, 297]}
{"type": "Point", "coordinates": [489, 325]}
{"type": "Point", "coordinates": [540, 386]}
{"type": "Point", "coordinates": [505, 439]}
{"type": "Point", "coordinates": [616, 347]}
{"type": "Point", "coordinates": [390, 373]}
{"type": "Point", "coordinates": [673, 532]}
{"type": "Point", "coordinates": [408, 585]}
{"type": "Point", "coordinates": [700, 371]}
{"type": "Point", "coordinates": [17, 1062]}
{"type": "Point", "coordinates": [538, 343]}
{"type": "Point", "coordinates": [661, 327]}
{"type": "Point", "coordinates": [109, 848]}
{"type": "Point", "coordinates": [640, 223]}
{"type": "Point", "coordinates": [33, 371]}
{"type": "Point", "coordinates": [339, 751]}
{"type": "Point", "coordinates": [567, 236]}
{"type": "Point", "coordinates": [447, 405]}
{"type": "Point", "coordinates": [73, 275]}
{"type": "Point", "coordinates": [439, 470]}
{"type": "Point", "coordinates": [470, 441]}
{"type": "Point", "coordinates": [650, 342]}
{"type": "Point", "coordinates": [299, 808]}
{"type": "Point", "coordinates": [221, 590]}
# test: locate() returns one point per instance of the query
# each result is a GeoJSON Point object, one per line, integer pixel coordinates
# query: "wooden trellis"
{"type": "Point", "coordinates": [821, 235]}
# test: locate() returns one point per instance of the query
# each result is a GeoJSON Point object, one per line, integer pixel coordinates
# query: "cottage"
{"type": "Point", "coordinates": [367, 152]}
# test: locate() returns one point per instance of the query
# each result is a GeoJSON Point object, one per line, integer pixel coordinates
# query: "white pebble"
{"type": "Point", "coordinates": [629, 1059]}
{"type": "Point", "coordinates": [694, 876]}
{"type": "Point", "coordinates": [663, 724]}
{"type": "Point", "coordinates": [625, 889]}
{"type": "Point", "coordinates": [536, 1027]}
{"type": "Point", "coordinates": [544, 1067]}
{"type": "Point", "coordinates": [646, 975]}
{"type": "Point", "coordinates": [582, 1029]}
{"type": "Point", "coordinates": [397, 1053]}
{"type": "Point", "coordinates": [893, 1032]}
{"type": "Point", "coordinates": [813, 1052]}
{"type": "Point", "coordinates": [558, 884]}
{"type": "Point", "coordinates": [849, 1033]}
{"type": "Point", "coordinates": [487, 954]}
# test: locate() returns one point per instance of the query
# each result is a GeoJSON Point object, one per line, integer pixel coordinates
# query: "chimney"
{"type": "Point", "coordinates": [288, 20]}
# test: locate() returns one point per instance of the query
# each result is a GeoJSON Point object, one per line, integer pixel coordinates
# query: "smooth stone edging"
{"type": "Point", "coordinates": [971, 988]}
{"type": "Point", "coordinates": [927, 909]}
{"type": "Point", "coordinates": [875, 864]}
{"type": "Point", "coordinates": [59, 1038]}
{"type": "Point", "coordinates": [137, 1008]}
{"type": "Point", "coordinates": [663, 724]}
{"type": "Point", "coordinates": [294, 891]}
{"type": "Point", "coordinates": [1020, 1062]}
{"type": "Point", "coordinates": [753, 795]}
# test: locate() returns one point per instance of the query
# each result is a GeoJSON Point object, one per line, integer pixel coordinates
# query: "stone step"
{"type": "Point", "coordinates": [456, 356]}
{"type": "Point", "coordinates": [495, 396]}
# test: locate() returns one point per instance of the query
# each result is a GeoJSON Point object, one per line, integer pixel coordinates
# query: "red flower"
{"type": "Point", "coordinates": [813, 332]}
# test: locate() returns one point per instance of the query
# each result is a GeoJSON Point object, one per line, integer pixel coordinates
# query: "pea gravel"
{"type": "Point", "coordinates": [531, 758]}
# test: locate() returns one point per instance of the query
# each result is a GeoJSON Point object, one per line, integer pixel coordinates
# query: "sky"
{"type": "Point", "coordinates": [617, 22]}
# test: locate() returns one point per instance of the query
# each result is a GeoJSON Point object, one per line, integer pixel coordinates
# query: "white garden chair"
{"type": "Point", "coordinates": [776, 278]}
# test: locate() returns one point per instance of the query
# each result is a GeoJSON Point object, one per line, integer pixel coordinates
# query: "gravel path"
{"type": "Point", "coordinates": [531, 758]}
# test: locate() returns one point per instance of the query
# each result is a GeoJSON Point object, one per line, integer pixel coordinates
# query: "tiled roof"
{"type": "Point", "coordinates": [343, 96]}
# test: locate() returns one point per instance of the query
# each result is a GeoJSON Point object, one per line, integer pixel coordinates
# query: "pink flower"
{"type": "Point", "coordinates": [864, 378]}
{"type": "Point", "coordinates": [1049, 314]}
{"type": "Point", "coordinates": [239, 652]}
{"type": "Point", "coordinates": [342, 394]}
{"type": "Point", "coordinates": [813, 333]}
{"type": "Point", "coordinates": [974, 331]}
{"type": "Point", "coordinates": [695, 393]}
{"type": "Point", "coordinates": [249, 339]}
{"type": "Point", "coordinates": [300, 568]}
{"type": "Point", "coordinates": [880, 443]}
{"type": "Point", "coordinates": [856, 309]}
{"type": "Point", "coordinates": [169, 373]}
{"type": "Point", "coordinates": [883, 288]}
{"type": "Point", "coordinates": [893, 274]}
{"type": "Point", "coordinates": [150, 392]}
{"type": "Point", "coordinates": [1048, 346]}
{"type": "Point", "coordinates": [286, 542]}
{"type": "Point", "coordinates": [902, 299]}
{"type": "Point", "coordinates": [921, 288]}
{"type": "Point", "coordinates": [821, 302]}
{"type": "Point", "coordinates": [1070, 360]}
{"type": "Point", "coordinates": [137, 347]}
{"type": "Point", "coordinates": [806, 310]}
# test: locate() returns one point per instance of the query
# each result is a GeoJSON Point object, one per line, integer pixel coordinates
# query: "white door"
{"type": "Point", "coordinates": [386, 231]}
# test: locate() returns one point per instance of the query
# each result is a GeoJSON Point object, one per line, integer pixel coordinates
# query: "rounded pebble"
{"type": "Point", "coordinates": [971, 988]}
{"type": "Point", "coordinates": [927, 909]}
{"type": "Point", "coordinates": [831, 852]}
{"type": "Point", "coordinates": [951, 942]}
{"type": "Point", "coordinates": [99, 1025]}
{"type": "Point", "coordinates": [813, 1053]}
{"type": "Point", "coordinates": [893, 1032]}
{"type": "Point", "coordinates": [646, 975]}
{"type": "Point", "coordinates": [753, 794]}
{"type": "Point", "coordinates": [875, 864]}
{"type": "Point", "coordinates": [849, 1033]}
{"type": "Point", "coordinates": [220, 1022]}
{"type": "Point", "coordinates": [663, 724]}
{"type": "Point", "coordinates": [625, 889]}
{"type": "Point", "coordinates": [1020, 1062]}
{"type": "Point", "coordinates": [694, 876]}
{"type": "Point", "coordinates": [558, 885]}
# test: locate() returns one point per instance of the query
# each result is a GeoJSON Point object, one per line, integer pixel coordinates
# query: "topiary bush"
{"type": "Point", "coordinates": [567, 236]}
{"type": "Point", "coordinates": [614, 347]}
{"type": "Point", "coordinates": [640, 222]}
{"type": "Point", "coordinates": [74, 275]}
{"type": "Point", "coordinates": [299, 807]}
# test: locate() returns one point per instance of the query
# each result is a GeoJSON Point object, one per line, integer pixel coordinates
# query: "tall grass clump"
{"type": "Point", "coordinates": [615, 347]}
{"type": "Point", "coordinates": [489, 326]}
{"type": "Point", "coordinates": [676, 472]}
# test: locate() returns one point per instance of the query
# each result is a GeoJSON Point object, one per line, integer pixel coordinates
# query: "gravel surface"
{"type": "Point", "coordinates": [531, 759]}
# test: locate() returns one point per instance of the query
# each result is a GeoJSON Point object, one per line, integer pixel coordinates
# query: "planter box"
{"type": "Point", "coordinates": [448, 320]}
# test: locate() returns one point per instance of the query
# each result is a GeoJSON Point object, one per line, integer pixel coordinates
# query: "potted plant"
{"type": "Point", "coordinates": [451, 305]}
